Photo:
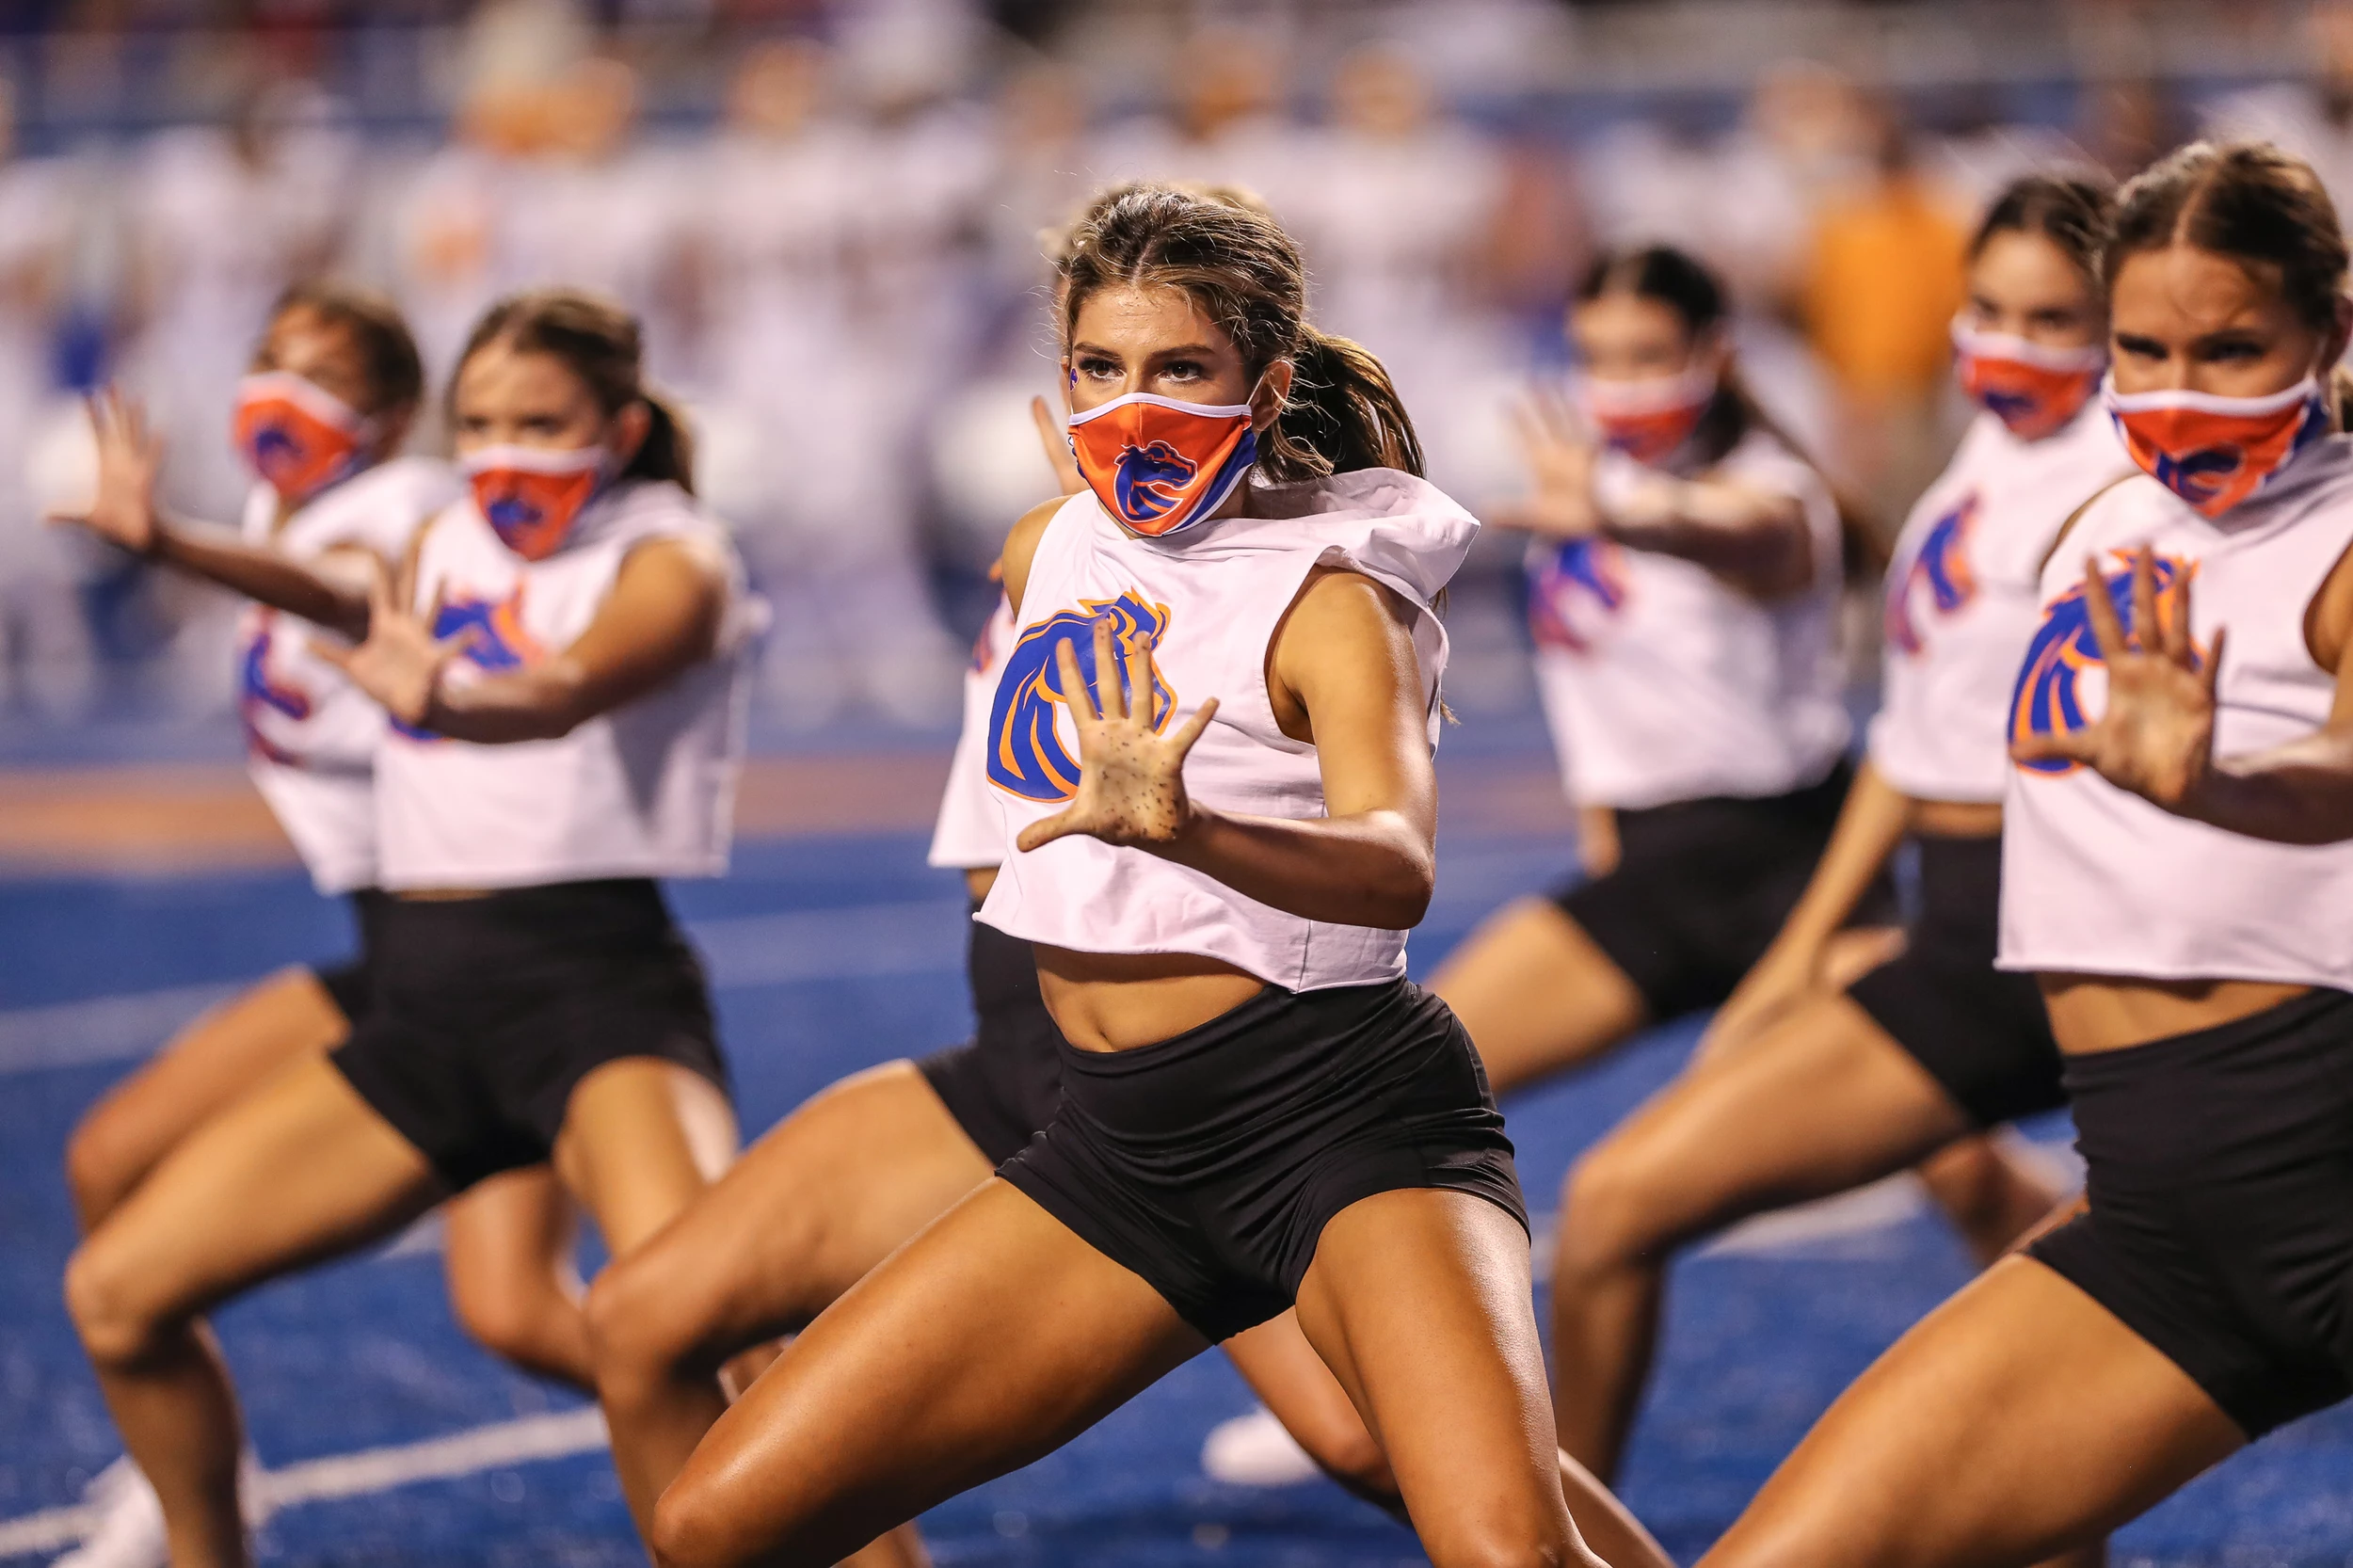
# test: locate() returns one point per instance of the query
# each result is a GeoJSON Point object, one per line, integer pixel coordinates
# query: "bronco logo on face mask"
{"type": "Point", "coordinates": [1026, 756]}
{"type": "Point", "coordinates": [1159, 464]}
{"type": "Point", "coordinates": [2048, 699]}
{"type": "Point", "coordinates": [1942, 566]}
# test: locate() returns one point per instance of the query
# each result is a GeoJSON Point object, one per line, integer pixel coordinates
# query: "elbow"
{"type": "Point", "coordinates": [1404, 896]}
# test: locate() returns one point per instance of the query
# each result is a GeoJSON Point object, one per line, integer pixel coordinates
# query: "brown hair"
{"type": "Point", "coordinates": [1238, 265]}
{"type": "Point", "coordinates": [388, 353]}
{"type": "Point", "coordinates": [2253, 203]}
{"type": "Point", "coordinates": [2070, 209]}
{"type": "Point", "coordinates": [599, 343]}
{"type": "Point", "coordinates": [1685, 285]}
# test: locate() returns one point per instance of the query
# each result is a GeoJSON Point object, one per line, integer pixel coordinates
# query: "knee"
{"type": "Point", "coordinates": [639, 1332]}
{"type": "Point", "coordinates": [1348, 1453]}
{"type": "Point", "coordinates": [1608, 1215]}
{"type": "Point", "coordinates": [1499, 1545]}
{"type": "Point", "coordinates": [691, 1528]}
{"type": "Point", "coordinates": [113, 1310]}
{"type": "Point", "coordinates": [511, 1319]}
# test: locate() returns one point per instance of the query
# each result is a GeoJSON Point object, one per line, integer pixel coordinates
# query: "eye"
{"type": "Point", "coordinates": [2138, 347]}
{"type": "Point", "coordinates": [2231, 351]}
{"type": "Point", "coordinates": [1095, 367]}
{"type": "Point", "coordinates": [1182, 370]}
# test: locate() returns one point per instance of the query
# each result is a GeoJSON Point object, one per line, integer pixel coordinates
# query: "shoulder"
{"type": "Point", "coordinates": [1021, 546]}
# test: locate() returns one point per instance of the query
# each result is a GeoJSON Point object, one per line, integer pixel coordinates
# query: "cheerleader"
{"type": "Point", "coordinates": [1830, 1089]}
{"type": "Point", "coordinates": [2195, 972]}
{"type": "Point", "coordinates": [1258, 1110]}
{"type": "Point", "coordinates": [560, 663]}
{"type": "Point", "coordinates": [1685, 577]}
{"type": "Point", "coordinates": [321, 416]}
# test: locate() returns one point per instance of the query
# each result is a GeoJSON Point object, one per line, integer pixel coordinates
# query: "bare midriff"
{"type": "Point", "coordinates": [1957, 819]}
{"type": "Point", "coordinates": [1110, 1001]}
{"type": "Point", "coordinates": [2105, 1012]}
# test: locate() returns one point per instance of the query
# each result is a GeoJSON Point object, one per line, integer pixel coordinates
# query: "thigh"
{"type": "Point", "coordinates": [821, 1199]}
{"type": "Point", "coordinates": [300, 1170]}
{"type": "Point", "coordinates": [1537, 993]}
{"type": "Point", "coordinates": [519, 1223]}
{"type": "Point", "coordinates": [2016, 1421]}
{"type": "Point", "coordinates": [991, 1338]}
{"type": "Point", "coordinates": [1418, 1300]}
{"type": "Point", "coordinates": [1821, 1101]}
{"type": "Point", "coordinates": [215, 1059]}
{"type": "Point", "coordinates": [641, 1139]}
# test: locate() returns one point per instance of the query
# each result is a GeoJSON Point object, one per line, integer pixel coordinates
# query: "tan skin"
{"type": "Point", "coordinates": [508, 1242]}
{"type": "Point", "coordinates": [996, 1335]}
{"type": "Point", "coordinates": [1798, 1093]}
{"type": "Point", "coordinates": [2052, 1423]}
{"type": "Point", "coordinates": [640, 1136]}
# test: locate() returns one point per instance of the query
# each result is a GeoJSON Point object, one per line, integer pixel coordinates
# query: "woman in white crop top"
{"type": "Point", "coordinates": [1258, 1111]}
{"type": "Point", "coordinates": [558, 1020]}
{"type": "Point", "coordinates": [2186, 926]}
{"type": "Point", "coordinates": [327, 404]}
{"type": "Point", "coordinates": [1807, 1087]}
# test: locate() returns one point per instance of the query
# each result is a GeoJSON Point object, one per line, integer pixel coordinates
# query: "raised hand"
{"type": "Point", "coordinates": [1560, 459]}
{"type": "Point", "coordinates": [2157, 736]}
{"type": "Point", "coordinates": [1131, 781]}
{"type": "Point", "coordinates": [122, 510]}
{"type": "Point", "coordinates": [400, 661]}
{"type": "Point", "coordinates": [1053, 436]}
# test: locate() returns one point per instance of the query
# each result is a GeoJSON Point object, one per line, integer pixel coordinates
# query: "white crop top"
{"type": "Point", "coordinates": [312, 736]}
{"type": "Point", "coordinates": [1210, 600]}
{"type": "Point", "coordinates": [645, 789]}
{"type": "Point", "coordinates": [2098, 881]}
{"type": "Point", "coordinates": [970, 833]}
{"type": "Point", "coordinates": [1964, 593]}
{"type": "Point", "coordinates": [1661, 682]}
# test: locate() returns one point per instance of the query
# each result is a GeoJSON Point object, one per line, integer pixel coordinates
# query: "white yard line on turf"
{"type": "Point", "coordinates": [354, 1475]}
{"type": "Point", "coordinates": [859, 942]}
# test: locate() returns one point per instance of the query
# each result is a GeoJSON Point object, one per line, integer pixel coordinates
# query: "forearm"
{"type": "Point", "coordinates": [2298, 793]}
{"type": "Point", "coordinates": [544, 702]}
{"type": "Point", "coordinates": [263, 574]}
{"type": "Point", "coordinates": [1870, 825]}
{"type": "Point", "coordinates": [1726, 530]}
{"type": "Point", "coordinates": [1373, 868]}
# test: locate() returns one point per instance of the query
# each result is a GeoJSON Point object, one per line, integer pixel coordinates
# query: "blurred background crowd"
{"type": "Point", "coordinates": [832, 214]}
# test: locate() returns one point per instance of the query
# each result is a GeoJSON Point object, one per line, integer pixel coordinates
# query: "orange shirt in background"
{"type": "Point", "coordinates": [1882, 285]}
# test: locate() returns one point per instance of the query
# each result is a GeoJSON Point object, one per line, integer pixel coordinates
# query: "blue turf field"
{"type": "Point", "coordinates": [831, 954]}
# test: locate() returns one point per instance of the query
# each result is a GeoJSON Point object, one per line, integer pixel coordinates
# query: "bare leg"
{"type": "Point", "coordinates": [205, 1067]}
{"type": "Point", "coordinates": [1537, 994]}
{"type": "Point", "coordinates": [1821, 1102]}
{"type": "Point", "coordinates": [1991, 1197]}
{"type": "Point", "coordinates": [1418, 1302]}
{"type": "Point", "coordinates": [813, 1205]}
{"type": "Point", "coordinates": [991, 1338]}
{"type": "Point", "coordinates": [2017, 1421]}
{"type": "Point", "coordinates": [641, 1140]}
{"type": "Point", "coordinates": [512, 1282]}
{"type": "Point", "coordinates": [298, 1171]}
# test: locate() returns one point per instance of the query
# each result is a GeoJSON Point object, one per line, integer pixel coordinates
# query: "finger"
{"type": "Point", "coordinates": [2212, 674]}
{"type": "Point", "coordinates": [2146, 632]}
{"type": "Point", "coordinates": [1142, 683]}
{"type": "Point", "coordinates": [1559, 418]}
{"type": "Point", "coordinates": [1046, 830]}
{"type": "Point", "coordinates": [334, 653]}
{"type": "Point", "coordinates": [2178, 647]}
{"type": "Point", "coordinates": [2106, 630]}
{"type": "Point", "coordinates": [1190, 731]}
{"type": "Point", "coordinates": [1528, 430]}
{"type": "Point", "coordinates": [380, 606]}
{"type": "Point", "coordinates": [1111, 696]}
{"type": "Point", "coordinates": [1074, 687]}
{"type": "Point", "coordinates": [2067, 746]}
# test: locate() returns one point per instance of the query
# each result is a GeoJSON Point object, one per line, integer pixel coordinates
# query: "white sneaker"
{"type": "Point", "coordinates": [1255, 1451]}
{"type": "Point", "coordinates": [129, 1530]}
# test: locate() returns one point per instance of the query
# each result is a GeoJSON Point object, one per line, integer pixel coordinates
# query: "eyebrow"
{"type": "Point", "coordinates": [1196, 349]}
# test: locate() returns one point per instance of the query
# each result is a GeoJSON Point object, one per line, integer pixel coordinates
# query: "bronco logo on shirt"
{"type": "Point", "coordinates": [1591, 568]}
{"type": "Point", "coordinates": [259, 692]}
{"type": "Point", "coordinates": [1941, 563]}
{"type": "Point", "coordinates": [1025, 754]}
{"type": "Point", "coordinates": [495, 639]}
{"type": "Point", "coordinates": [2048, 699]}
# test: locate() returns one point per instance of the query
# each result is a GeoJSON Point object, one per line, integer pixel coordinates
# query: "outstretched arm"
{"type": "Point", "coordinates": [124, 512]}
{"type": "Point", "coordinates": [662, 616]}
{"type": "Point", "coordinates": [1346, 654]}
{"type": "Point", "coordinates": [2157, 735]}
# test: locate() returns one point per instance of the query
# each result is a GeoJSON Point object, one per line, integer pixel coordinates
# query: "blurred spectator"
{"type": "Point", "coordinates": [454, 216]}
{"type": "Point", "coordinates": [1882, 278]}
{"type": "Point", "coordinates": [1227, 124]}
{"type": "Point", "coordinates": [1805, 145]}
{"type": "Point", "coordinates": [2127, 124]}
{"type": "Point", "coordinates": [2312, 119]}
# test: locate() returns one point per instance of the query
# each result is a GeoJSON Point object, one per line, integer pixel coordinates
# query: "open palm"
{"type": "Point", "coordinates": [1131, 781]}
{"type": "Point", "coordinates": [122, 508]}
{"type": "Point", "coordinates": [1561, 460]}
{"type": "Point", "coordinates": [2157, 736]}
{"type": "Point", "coordinates": [400, 661]}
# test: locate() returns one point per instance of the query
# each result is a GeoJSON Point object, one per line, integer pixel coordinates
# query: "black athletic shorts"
{"type": "Point", "coordinates": [1982, 1033]}
{"type": "Point", "coordinates": [2220, 1227]}
{"type": "Point", "coordinates": [489, 1011]}
{"type": "Point", "coordinates": [1210, 1162]}
{"type": "Point", "coordinates": [351, 985]}
{"type": "Point", "coordinates": [1003, 1084]}
{"type": "Point", "coordinates": [1702, 886]}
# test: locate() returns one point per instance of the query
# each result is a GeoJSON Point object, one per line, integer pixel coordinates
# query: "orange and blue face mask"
{"type": "Point", "coordinates": [2033, 388]}
{"type": "Point", "coordinates": [2215, 452]}
{"type": "Point", "coordinates": [532, 495]}
{"type": "Point", "coordinates": [1648, 419]}
{"type": "Point", "coordinates": [1160, 465]}
{"type": "Point", "coordinates": [297, 436]}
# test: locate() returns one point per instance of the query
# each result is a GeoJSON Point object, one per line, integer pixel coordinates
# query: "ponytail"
{"type": "Point", "coordinates": [601, 343]}
{"type": "Point", "coordinates": [1343, 414]}
{"type": "Point", "coordinates": [668, 449]}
